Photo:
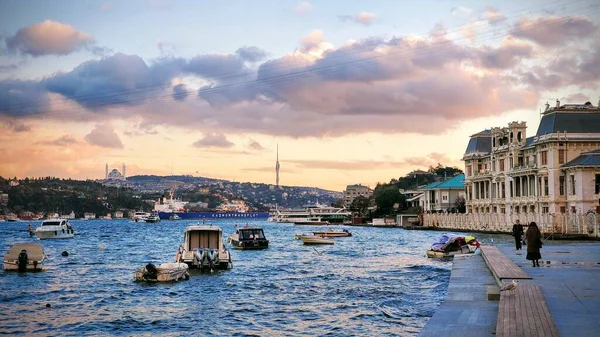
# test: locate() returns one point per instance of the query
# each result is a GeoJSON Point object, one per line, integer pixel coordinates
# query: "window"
{"type": "Point", "coordinates": [469, 171]}
{"type": "Point", "coordinates": [563, 209]}
{"type": "Point", "coordinates": [544, 158]}
{"type": "Point", "coordinates": [561, 156]}
{"type": "Point", "coordinates": [572, 183]}
{"type": "Point", "coordinates": [597, 185]}
{"type": "Point", "coordinates": [445, 197]}
{"type": "Point", "coordinates": [545, 186]}
{"type": "Point", "coordinates": [520, 161]}
{"type": "Point", "coordinates": [512, 163]}
{"type": "Point", "coordinates": [501, 164]}
{"type": "Point", "coordinates": [561, 185]}
{"type": "Point", "coordinates": [545, 209]}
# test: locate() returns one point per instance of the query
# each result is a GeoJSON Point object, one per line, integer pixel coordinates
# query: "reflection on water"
{"type": "Point", "coordinates": [374, 283]}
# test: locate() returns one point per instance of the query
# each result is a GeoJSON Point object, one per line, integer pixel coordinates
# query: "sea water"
{"type": "Point", "coordinates": [377, 282]}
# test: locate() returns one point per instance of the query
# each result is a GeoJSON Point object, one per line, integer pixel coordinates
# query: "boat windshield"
{"type": "Point", "coordinates": [51, 223]}
{"type": "Point", "coordinates": [252, 234]}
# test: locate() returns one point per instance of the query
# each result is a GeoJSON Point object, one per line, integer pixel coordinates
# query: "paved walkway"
{"type": "Point", "coordinates": [570, 282]}
{"type": "Point", "coordinates": [569, 279]}
{"type": "Point", "coordinates": [466, 310]}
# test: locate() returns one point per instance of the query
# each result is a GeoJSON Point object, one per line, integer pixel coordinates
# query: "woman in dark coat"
{"type": "Point", "coordinates": [534, 244]}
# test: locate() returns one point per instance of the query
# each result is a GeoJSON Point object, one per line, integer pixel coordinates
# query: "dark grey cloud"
{"type": "Point", "coordinates": [16, 126]}
{"type": "Point", "coordinates": [23, 98]}
{"type": "Point", "coordinates": [213, 140]}
{"type": "Point", "coordinates": [552, 31]}
{"type": "Point", "coordinates": [48, 38]}
{"type": "Point", "coordinates": [180, 92]}
{"type": "Point", "coordinates": [251, 54]}
{"type": "Point", "coordinates": [505, 56]}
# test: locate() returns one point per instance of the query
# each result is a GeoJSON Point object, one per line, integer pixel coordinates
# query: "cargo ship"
{"type": "Point", "coordinates": [170, 209]}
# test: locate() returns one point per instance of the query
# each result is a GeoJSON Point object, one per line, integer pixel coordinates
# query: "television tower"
{"type": "Point", "coordinates": [124, 175]}
{"type": "Point", "coordinates": [106, 171]}
{"type": "Point", "coordinates": [277, 168]}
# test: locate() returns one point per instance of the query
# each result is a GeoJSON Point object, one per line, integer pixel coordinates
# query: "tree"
{"type": "Point", "coordinates": [360, 205]}
{"type": "Point", "coordinates": [338, 203]}
{"type": "Point", "coordinates": [461, 204]}
{"type": "Point", "coordinates": [387, 198]}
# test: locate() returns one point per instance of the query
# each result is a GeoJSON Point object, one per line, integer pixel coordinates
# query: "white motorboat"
{"type": "Point", "coordinates": [165, 272]}
{"type": "Point", "coordinates": [140, 216]}
{"type": "Point", "coordinates": [203, 248]}
{"type": "Point", "coordinates": [152, 218]}
{"type": "Point", "coordinates": [24, 257]}
{"type": "Point", "coordinates": [55, 229]}
{"type": "Point", "coordinates": [316, 240]}
{"type": "Point", "coordinates": [330, 233]}
{"type": "Point", "coordinates": [174, 216]}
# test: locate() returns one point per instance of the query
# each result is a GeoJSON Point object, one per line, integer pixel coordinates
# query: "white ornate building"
{"type": "Point", "coordinates": [557, 170]}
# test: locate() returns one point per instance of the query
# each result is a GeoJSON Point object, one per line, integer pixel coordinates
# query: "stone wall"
{"type": "Point", "coordinates": [565, 224]}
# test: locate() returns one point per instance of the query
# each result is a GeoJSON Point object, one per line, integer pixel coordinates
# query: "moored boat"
{"type": "Point", "coordinates": [248, 238]}
{"type": "Point", "coordinates": [203, 249]}
{"type": "Point", "coordinates": [315, 240]}
{"type": "Point", "coordinates": [333, 234]}
{"type": "Point", "coordinates": [448, 246]}
{"type": "Point", "coordinates": [174, 216]}
{"type": "Point", "coordinates": [314, 221]}
{"type": "Point", "coordinates": [152, 218]}
{"type": "Point", "coordinates": [55, 229]}
{"type": "Point", "coordinates": [24, 257]}
{"type": "Point", "coordinates": [165, 272]}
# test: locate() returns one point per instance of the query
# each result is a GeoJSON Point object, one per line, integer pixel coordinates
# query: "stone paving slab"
{"type": "Point", "coordinates": [466, 310]}
{"type": "Point", "coordinates": [570, 281]}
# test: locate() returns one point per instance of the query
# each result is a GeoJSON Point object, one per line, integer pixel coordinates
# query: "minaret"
{"type": "Point", "coordinates": [106, 171]}
{"type": "Point", "coordinates": [277, 168]}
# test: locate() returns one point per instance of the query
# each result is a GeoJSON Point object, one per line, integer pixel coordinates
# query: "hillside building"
{"type": "Point", "coordinates": [353, 191]}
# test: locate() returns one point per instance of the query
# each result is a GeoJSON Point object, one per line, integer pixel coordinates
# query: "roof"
{"type": "Point", "coordinates": [570, 122]}
{"type": "Point", "coordinates": [591, 158]}
{"type": "Point", "coordinates": [454, 182]}
{"type": "Point", "coordinates": [529, 141]}
{"type": "Point", "coordinates": [479, 144]}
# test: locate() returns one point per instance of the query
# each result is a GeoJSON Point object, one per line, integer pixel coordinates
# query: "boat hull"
{"type": "Point", "coordinates": [214, 215]}
{"type": "Point", "coordinates": [333, 234]}
{"type": "Point", "coordinates": [166, 272]}
{"type": "Point", "coordinates": [316, 240]}
{"type": "Point", "coordinates": [35, 257]}
{"type": "Point", "coordinates": [249, 244]}
{"type": "Point", "coordinates": [47, 235]}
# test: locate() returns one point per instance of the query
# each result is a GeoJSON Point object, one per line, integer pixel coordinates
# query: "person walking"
{"type": "Point", "coordinates": [517, 232]}
{"type": "Point", "coordinates": [534, 244]}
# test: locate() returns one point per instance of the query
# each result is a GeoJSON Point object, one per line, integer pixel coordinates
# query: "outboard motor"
{"type": "Point", "coordinates": [23, 260]}
{"type": "Point", "coordinates": [199, 255]}
{"type": "Point", "coordinates": [212, 257]}
{"type": "Point", "coordinates": [151, 272]}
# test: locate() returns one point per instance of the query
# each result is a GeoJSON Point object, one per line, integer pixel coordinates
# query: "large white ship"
{"type": "Point", "coordinates": [324, 213]}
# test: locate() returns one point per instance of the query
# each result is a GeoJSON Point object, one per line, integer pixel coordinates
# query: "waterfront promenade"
{"type": "Point", "coordinates": [569, 279]}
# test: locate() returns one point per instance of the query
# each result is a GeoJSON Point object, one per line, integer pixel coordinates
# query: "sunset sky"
{"type": "Point", "coordinates": [352, 91]}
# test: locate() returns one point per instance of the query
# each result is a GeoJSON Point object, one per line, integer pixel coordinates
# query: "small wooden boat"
{"type": "Point", "coordinates": [315, 240]}
{"type": "Point", "coordinates": [165, 272]}
{"type": "Point", "coordinates": [24, 257]}
{"type": "Point", "coordinates": [248, 238]}
{"type": "Point", "coordinates": [333, 234]}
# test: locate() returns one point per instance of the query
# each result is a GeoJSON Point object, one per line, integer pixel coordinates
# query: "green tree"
{"type": "Point", "coordinates": [360, 205]}
{"type": "Point", "coordinates": [386, 200]}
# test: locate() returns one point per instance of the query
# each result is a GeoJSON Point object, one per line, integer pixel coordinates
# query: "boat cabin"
{"type": "Point", "coordinates": [203, 248]}
{"type": "Point", "coordinates": [249, 238]}
{"type": "Point", "coordinates": [202, 237]}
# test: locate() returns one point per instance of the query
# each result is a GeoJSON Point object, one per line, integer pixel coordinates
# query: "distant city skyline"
{"type": "Point", "coordinates": [355, 92]}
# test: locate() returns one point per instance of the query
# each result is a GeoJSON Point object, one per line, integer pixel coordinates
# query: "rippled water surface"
{"type": "Point", "coordinates": [377, 282]}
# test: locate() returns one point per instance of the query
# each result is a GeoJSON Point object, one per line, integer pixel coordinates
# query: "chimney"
{"type": "Point", "coordinates": [547, 106]}
{"type": "Point", "coordinates": [557, 103]}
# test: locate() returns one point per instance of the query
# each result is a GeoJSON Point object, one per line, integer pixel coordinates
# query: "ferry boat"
{"type": "Point", "coordinates": [248, 238]}
{"type": "Point", "coordinates": [327, 214]}
{"type": "Point", "coordinates": [203, 249]}
{"type": "Point", "coordinates": [55, 229]}
{"type": "Point", "coordinates": [24, 257]}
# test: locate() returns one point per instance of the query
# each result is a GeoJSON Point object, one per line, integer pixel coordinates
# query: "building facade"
{"type": "Point", "coordinates": [553, 171]}
{"type": "Point", "coordinates": [442, 195]}
{"type": "Point", "coordinates": [353, 191]}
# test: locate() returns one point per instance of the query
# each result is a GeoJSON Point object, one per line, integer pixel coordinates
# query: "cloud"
{"type": "Point", "coordinates": [180, 92]}
{"type": "Point", "coordinates": [140, 130]}
{"type": "Point", "coordinates": [303, 7]}
{"type": "Point", "coordinates": [17, 97]}
{"type": "Point", "coordinates": [254, 145]}
{"type": "Point", "coordinates": [461, 11]}
{"type": "Point", "coordinates": [6, 68]}
{"type": "Point", "coordinates": [48, 38]}
{"type": "Point", "coordinates": [165, 48]}
{"type": "Point", "coordinates": [552, 31]}
{"type": "Point", "coordinates": [16, 126]}
{"type": "Point", "coordinates": [213, 140]}
{"type": "Point", "coordinates": [106, 6]}
{"type": "Point", "coordinates": [576, 98]}
{"type": "Point", "coordinates": [104, 135]}
{"type": "Point", "coordinates": [507, 55]}
{"type": "Point", "coordinates": [364, 18]}
{"type": "Point", "coordinates": [251, 54]}
{"type": "Point", "coordinates": [493, 16]}
{"type": "Point", "coordinates": [61, 141]}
